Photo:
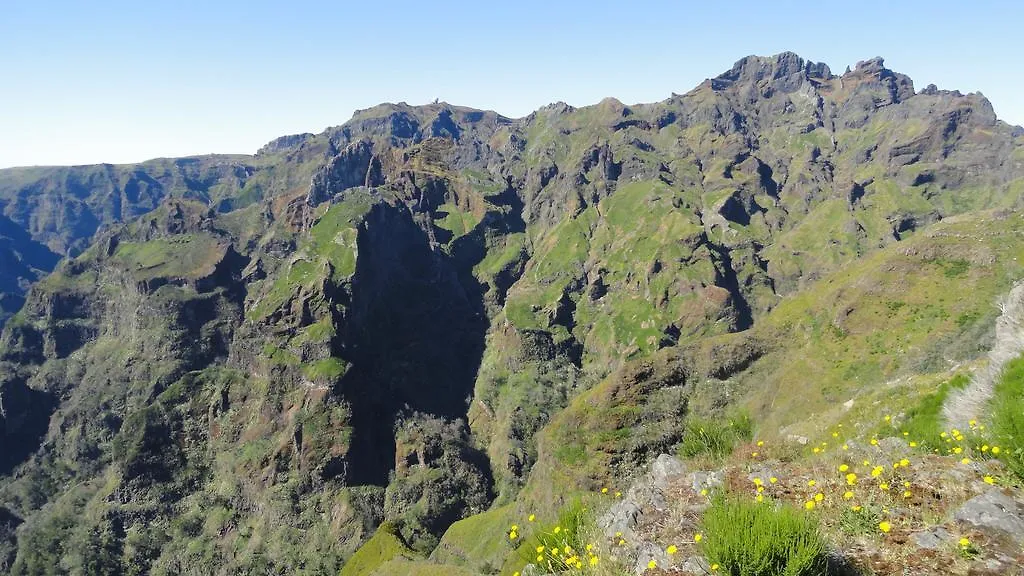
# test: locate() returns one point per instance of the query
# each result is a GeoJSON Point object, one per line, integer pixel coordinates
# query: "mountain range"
{"type": "Point", "coordinates": [434, 317]}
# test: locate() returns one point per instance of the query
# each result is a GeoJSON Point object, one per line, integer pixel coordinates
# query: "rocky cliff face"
{"type": "Point", "coordinates": [250, 363]}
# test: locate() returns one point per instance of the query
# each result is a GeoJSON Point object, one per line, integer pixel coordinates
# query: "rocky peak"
{"type": "Point", "coordinates": [284, 143]}
{"type": "Point", "coordinates": [873, 75]}
{"type": "Point", "coordinates": [786, 72]}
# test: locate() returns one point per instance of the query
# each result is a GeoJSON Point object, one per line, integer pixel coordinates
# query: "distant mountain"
{"type": "Point", "coordinates": [248, 364]}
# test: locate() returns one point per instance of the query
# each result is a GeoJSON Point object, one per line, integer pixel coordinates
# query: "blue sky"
{"type": "Point", "coordinates": [112, 81]}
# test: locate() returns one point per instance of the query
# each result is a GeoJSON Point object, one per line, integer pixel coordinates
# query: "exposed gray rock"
{"type": "Point", "coordinates": [646, 493]}
{"type": "Point", "coordinates": [932, 539]}
{"type": "Point", "coordinates": [695, 565]}
{"type": "Point", "coordinates": [894, 448]}
{"type": "Point", "coordinates": [705, 480]}
{"type": "Point", "coordinates": [994, 511]}
{"type": "Point", "coordinates": [762, 472]}
{"type": "Point", "coordinates": [622, 518]}
{"type": "Point", "coordinates": [649, 551]}
{"type": "Point", "coordinates": [665, 469]}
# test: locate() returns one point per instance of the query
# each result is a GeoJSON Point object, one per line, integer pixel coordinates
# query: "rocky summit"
{"type": "Point", "coordinates": [436, 340]}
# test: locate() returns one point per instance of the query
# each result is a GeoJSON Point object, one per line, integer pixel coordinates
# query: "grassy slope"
{"type": "Point", "coordinates": [886, 331]}
{"type": "Point", "coordinates": [383, 547]}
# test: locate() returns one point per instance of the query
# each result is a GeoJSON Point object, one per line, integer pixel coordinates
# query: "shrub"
{"type": "Point", "coordinates": [750, 539]}
{"type": "Point", "coordinates": [1008, 417]}
{"type": "Point", "coordinates": [715, 437]}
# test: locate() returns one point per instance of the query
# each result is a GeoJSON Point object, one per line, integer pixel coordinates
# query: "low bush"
{"type": "Point", "coordinates": [715, 437]}
{"type": "Point", "coordinates": [747, 538]}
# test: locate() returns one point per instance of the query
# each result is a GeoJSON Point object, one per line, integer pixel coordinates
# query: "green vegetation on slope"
{"type": "Point", "coordinates": [1008, 417]}
{"type": "Point", "coordinates": [748, 538]}
{"type": "Point", "coordinates": [384, 546]}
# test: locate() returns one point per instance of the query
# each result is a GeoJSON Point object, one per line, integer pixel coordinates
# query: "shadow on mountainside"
{"type": "Point", "coordinates": [418, 329]}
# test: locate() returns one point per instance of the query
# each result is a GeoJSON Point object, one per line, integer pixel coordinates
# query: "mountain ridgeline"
{"type": "Point", "coordinates": [246, 364]}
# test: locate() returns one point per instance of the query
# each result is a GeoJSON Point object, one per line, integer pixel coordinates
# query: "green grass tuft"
{"type": "Point", "coordinates": [715, 438]}
{"type": "Point", "coordinates": [750, 539]}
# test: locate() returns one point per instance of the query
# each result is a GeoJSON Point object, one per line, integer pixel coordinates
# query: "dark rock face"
{"type": "Point", "coordinates": [353, 166]}
{"type": "Point", "coordinates": [24, 419]}
{"type": "Point", "coordinates": [22, 261]}
{"type": "Point", "coordinates": [440, 333]}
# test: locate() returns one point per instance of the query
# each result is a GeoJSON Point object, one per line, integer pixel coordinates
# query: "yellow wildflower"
{"type": "Point", "coordinates": [819, 497]}
{"type": "Point", "coordinates": [965, 542]}
{"type": "Point", "coordinates": [604, 490]}
{"type": "Point", "coordinates": [757, 482]}
{"type": "Point", "coordinates": [760, 443]}
{"type": "Point", "coordinates": [759, 498]}
{"type": "Point", "coordinates": [883, 486]}
{"type": "Point", "coordinates": [773, 479]}
{"type": "Point", "coordinates": [907, 494]}
{"type": "Point", "coordinates": [812, 483]}
{"type": "Point", "coordinates": [532, 517]}
{"type": "Point", "coordinates": [593, 560]}
{"type": "Point", "coordinates": [874, 441]}
{"type": "Point", "coordinates": [714, 566]}
{"type": "Point", "coordinates": [652, 564]}
{"type": "Point", "coordinates": [848, 495]}
{"type": "Point", "coordinates": [904, 462]}
{"type": "Point", "coordinates": [671, 550]}
{"type": "Point", "coordinates": [697, 537]}
{"type": "Point", "coordinates": [843, 467]}
{"type": "Point", "coordinates": [540, 549]}
{"type": "Point", "coordinates": [965, 461]}
{"type": "Point", "coordinates": [855, 508]}
{"type": "Point", "coordinates": [995, 450]}
{"type": "Point", "coordinates": [809, 505]}
{"type": "Point", "coordinates": [989, 480]}
{"type": "Point", "coordinates": [884, 526]}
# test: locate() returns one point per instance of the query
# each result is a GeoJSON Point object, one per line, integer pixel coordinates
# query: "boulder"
{"type": "Point", "coordinates": [994, 512]}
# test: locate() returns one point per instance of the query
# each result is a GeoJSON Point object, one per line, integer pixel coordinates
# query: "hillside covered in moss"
{"type": "Point", "coordinates": [372, 350]}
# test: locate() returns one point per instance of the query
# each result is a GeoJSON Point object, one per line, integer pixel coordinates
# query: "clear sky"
{"type": "Point", "coordinates": [123, 81]}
